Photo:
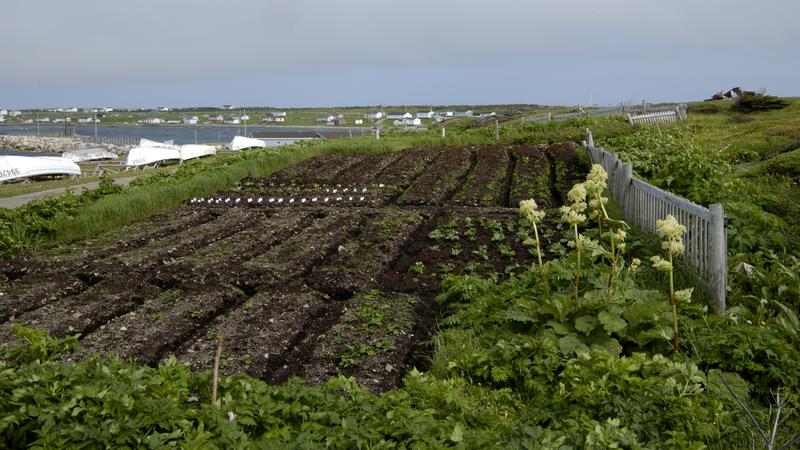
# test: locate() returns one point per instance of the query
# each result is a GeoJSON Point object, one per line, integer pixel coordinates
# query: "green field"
{"type": "Point", "coordinates": [578, 352]}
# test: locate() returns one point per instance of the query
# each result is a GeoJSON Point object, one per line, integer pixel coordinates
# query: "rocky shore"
{"type": "Point", "coordinates": [46, 144]}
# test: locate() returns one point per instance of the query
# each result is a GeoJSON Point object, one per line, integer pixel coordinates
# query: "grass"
{"type": "Point", "coordinates": [14, 189]}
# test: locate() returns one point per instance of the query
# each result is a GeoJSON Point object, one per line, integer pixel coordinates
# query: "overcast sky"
{"type": "Point", "coordinates": [149, 53]}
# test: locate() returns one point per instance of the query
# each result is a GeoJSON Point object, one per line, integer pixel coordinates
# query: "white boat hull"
{"type": "Point", "coordinates": [89, 154]}
{"type": "Point", "coordinates": [191, 151]}
{"type": "Point", "coordinates": [241, 143]}
{"type": "Point", "coordinates": [17, 167]}
{"type": "Point", "coordinates": [147, 143]}
{"type": "Point", "coordinates": [144, 156]}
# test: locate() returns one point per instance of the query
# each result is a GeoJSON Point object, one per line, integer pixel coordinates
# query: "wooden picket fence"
{"type": "Point", "coordinates": [642, 204]}
{"type": "Point", "coordinates": [652, 118]}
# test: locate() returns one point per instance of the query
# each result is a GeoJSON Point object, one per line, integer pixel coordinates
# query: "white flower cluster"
{"type": "Point", "coordinates": [595, 185]}
{"type": "Point", "coordinates": [572, 214]}
{"type": "Point", "coordinates": [671, 232]}
{"type": "Point", "coordinates": [661, 264]}
{"type": "Point", "coordinates": [531, 211]}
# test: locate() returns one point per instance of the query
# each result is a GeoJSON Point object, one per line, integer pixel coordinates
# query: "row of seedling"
{"type": "Point", "coordinates": [275, 201]}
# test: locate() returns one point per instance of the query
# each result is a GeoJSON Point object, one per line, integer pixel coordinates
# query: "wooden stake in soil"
{"type": "Point", "coordinates": [215, 378]}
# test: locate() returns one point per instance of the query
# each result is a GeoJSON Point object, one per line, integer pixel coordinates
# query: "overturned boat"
{"type": "Point", "coordinates": [144, 156]}
{"type": "Point", "coordinates": [14, 167]}
{"type": "Point", "coordinates": [147, 143]}
{"type": "Point", "coordinates": [241, 143]}
{"type": "Point", "coordinates": [192, 151]}
{"type": "Point", "coordinates": [89, 154]}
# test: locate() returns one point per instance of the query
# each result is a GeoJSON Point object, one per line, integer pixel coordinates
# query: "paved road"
{"type": "Point", "coordinates": [19, 200]}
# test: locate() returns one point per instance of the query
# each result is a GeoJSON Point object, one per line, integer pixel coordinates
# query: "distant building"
{"type": "Point", "coordinates": [153, 121]}
{"type": "Point", "coordinates": [71, 110]}
{"type": "Point", "coordinates": [485, 114]}
{"type": "Point", "coordinates": [15, 113]}
{"type": "Point", "coordinates": [244, 117]}
{"type": "Point", "coordinates": [273, 117]}
{"type": "Point", "coordinates": [445, 113]}
{"type": "Point", "coordinates": [374, 116]}
{"type": "Point", "coordinates": [425, 114]}
{"type": "Point", "coordinates": [467, 113]}
{"type": "Point", "coordinates": [234, 121]}
{"type": "Point", "coordinates": [108, 110]}
{"type": "Point", "coordinates": [163, 109]}
{"type": "Point", "coordinates": [43, 119]}
{"type": "Point", "coordinates": [413, 122]}
{"type": "Point", "coordinates": [216, 118]}
{"type": "Point", "coordinates": [228, 107]}
{"type": "Point", "coordinates": [399, 115]}
{"type": "Point", "coordinates": [190, 120]}
{"type": "Point", "coordinates": [3, 112]}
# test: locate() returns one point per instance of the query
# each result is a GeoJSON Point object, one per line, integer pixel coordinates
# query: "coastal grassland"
{"type": "Point", "coordinates": [553, 361]}
{"type": "Point", "coordinates": [750, 163]}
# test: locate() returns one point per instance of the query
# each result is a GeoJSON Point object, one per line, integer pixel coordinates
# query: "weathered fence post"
{"type": "Point", "coordinates": [589, 138]}
{"type": "Point", "coordinates": [443, 133]}
{"type": "Point", "coordinates": [718, 258]}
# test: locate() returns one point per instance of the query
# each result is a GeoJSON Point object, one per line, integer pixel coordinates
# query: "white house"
{"type": "Point", "coordinates": [217, 118]}
{"type": "Point", "coordinates": [374, 116]}
{"type": "Point", "coordinates": [414, 122]}
{"type": "Point", "coordinates": [163, 109]}
{"type": "Point", "coordinates": [425, 114]}
{"type": "Point", "coordinates": [3, 112]}
{"type": "Point", "coordinates": [15, 113]}
{"type": "Point", "coordinates": [190, 120]}
{"type": "Point", "coordinates": [399, 115]}
{"type": "Point", "coordinates": [71, 110]}
{"type": "Point", "coordinates": [445, 113]}
{"type": "Point", "coordinates": [244, 117]}
{"type": "Point", "coordinates": [467, 113]}
{"type": "Point", "coordinates": [485, 114]}
{"type": "Point", "coordinates": [108, 110]}
{"type": "Point", "coordinates": [273, 117]}
{"type": "Point", "coordinates": [278, 113]}
{"type": "Point", "coordinates": [153, 121]}
{"type": "Point", "coordinates": [234, 121]}
{"type": "Point", "coordinates": [43, 119]}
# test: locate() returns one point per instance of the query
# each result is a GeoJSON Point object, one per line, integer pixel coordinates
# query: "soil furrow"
{"type": "Point", "coordinates": [512, 165]}
{"type": "Point", "coordinates": [256, 334]}
{"type": "Point", "coordinates": [160, 324]}
{"type": "Point", "coordinates": [86, 312]}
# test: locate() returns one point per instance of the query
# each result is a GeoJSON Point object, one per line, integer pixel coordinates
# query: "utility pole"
{"type": "Point", "coordinates": [37, 124]}
{"type": "Point", "coordinates": [95, 127]}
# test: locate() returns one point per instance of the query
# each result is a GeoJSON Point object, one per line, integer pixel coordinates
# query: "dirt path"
{"type": "Point", "coordinates": [19, 200]}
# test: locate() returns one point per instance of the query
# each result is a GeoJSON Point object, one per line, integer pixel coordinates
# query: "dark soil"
{"type": "Point", "coordinates": [297, 287]}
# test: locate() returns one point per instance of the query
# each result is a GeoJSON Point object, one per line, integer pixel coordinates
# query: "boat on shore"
{"type": "Point", "coordinates": [14, 168]}
{"type": "Point", "coordinates": [89, 154]}
{"type": "Point", "coordinates": [152, 152]}
{"type": "Point", "coordinates": [242, 142]}
{"type": "Point", "coordinates": [192, 151]}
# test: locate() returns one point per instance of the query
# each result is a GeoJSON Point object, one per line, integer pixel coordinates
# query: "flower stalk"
{"type": "Point", "coordinates": [531, 211]}
{"type": "Point", "coordinates": [671, 233]}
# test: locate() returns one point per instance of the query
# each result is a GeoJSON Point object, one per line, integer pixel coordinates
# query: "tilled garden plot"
{"type": "Point", "coordinates": [327, 267]}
